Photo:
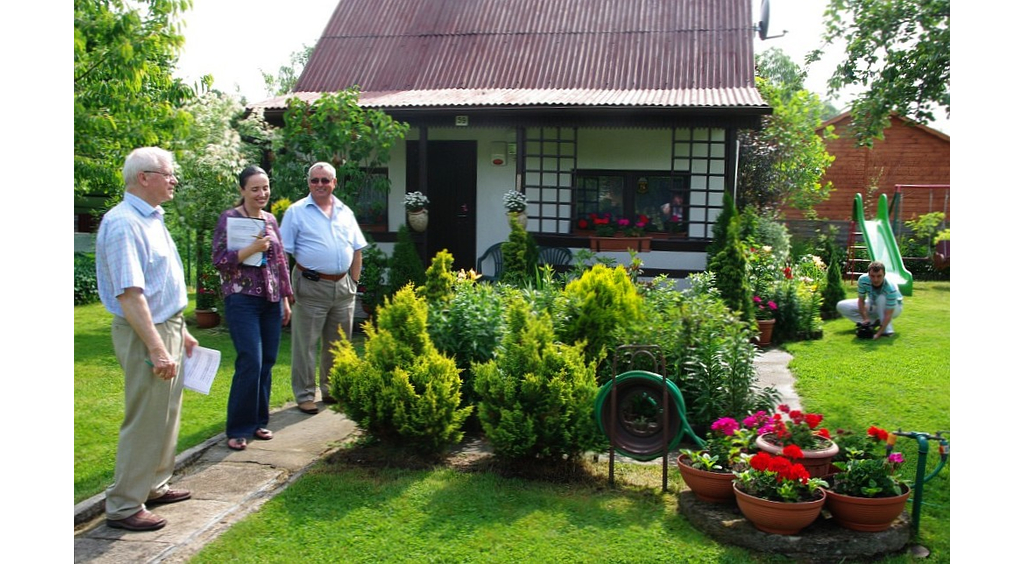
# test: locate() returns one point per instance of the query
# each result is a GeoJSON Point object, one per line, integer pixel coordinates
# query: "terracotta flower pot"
{"type": "Point", "coordinates": [765, 326]}
{"type": "Point", "coordinates": [712, 487]}
{"type": "Point", "coordinates": [207, 318]}
{"type": "Point", "coordinates": [817, 462]}
{"type": "Point", "coordinates": [778, 517]}
{"type": "Point", "coordinates": [639, 244]}
{"type": "Point", "coordinates": [870, 514]}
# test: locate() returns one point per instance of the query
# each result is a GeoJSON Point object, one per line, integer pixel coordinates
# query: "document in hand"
{"type": "Point", "coordinates": [201, 368]}
{"type": "Point", "coordinates": [241, 232]}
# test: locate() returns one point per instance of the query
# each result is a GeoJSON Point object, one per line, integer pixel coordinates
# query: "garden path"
{"type": "Point", "coordinates": [227, 485]}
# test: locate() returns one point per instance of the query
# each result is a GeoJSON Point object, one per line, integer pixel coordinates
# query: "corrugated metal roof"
{"type": "Point", "coordinates": [537, 52]}
{"type": "Point", "coordinates": [461, 97]}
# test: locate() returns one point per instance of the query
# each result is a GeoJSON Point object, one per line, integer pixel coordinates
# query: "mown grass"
{"type": "Point", "coordinates": [344, 512]}
{"type": "Point", "coordinates": [99, 395]}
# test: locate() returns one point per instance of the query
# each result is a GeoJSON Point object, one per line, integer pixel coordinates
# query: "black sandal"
{"type": "Point", "coordinates": [237, 443]}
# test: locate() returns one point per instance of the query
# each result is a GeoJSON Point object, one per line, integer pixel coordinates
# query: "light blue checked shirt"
{"type": "Point", "coordinates": [324, 244]}
{"type": "Point", "coordinates": [134, 250]}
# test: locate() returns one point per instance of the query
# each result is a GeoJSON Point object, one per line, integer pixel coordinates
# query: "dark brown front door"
{"type": "Point", "coordinates": [451, 187]}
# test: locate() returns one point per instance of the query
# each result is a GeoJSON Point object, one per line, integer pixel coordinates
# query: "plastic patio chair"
{"type": "Point", "coordinates": [492, 254]}
{"type": "Point", "coordinates": [555, 256]}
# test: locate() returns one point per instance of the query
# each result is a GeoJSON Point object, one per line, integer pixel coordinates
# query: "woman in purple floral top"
{"type": "Point", "coordinates": [256, 286]}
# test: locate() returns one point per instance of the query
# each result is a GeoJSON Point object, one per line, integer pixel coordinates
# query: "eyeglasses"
{"type": "Point", "coordinates": [315, 180]}
{"type": "Point", "coordinates": [166, 175]}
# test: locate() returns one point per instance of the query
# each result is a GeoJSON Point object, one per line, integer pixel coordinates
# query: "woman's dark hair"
{"type": "Point", "coordinates": [244, 176]}
{"type": "Point", "coordinates": [249, 171]}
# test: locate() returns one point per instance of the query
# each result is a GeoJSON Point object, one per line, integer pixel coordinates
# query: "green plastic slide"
{"type": "Point", "coordinates": [881, 243]}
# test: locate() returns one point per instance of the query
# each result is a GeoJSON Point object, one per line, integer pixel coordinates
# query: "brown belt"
{"type": "Point", "coordinates": [331, 277]}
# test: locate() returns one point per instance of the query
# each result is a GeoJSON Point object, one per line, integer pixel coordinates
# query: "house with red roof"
{"type": "Point", "coordinates": [591, 108]}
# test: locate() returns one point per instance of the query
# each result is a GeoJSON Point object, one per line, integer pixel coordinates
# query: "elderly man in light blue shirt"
{"type": "Point", "coordinates": [141, 282]}
{"type": "Point", "coordinates": [322, 235]}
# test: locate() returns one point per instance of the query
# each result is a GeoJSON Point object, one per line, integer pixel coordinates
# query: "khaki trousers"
{"type": "Point", "coordinates": [152, 413]}
{"type": "Point", "coordinates": [322, 310]}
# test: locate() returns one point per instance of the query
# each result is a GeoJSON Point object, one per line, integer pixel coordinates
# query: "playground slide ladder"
{"type": "Point", "coordinates": [854, 243]}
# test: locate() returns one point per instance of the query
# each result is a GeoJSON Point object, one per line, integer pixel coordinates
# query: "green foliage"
{"type": "Point", "coordinates": [896, 52]}
{"type": "Point", "coordinates": [279, 207]}
{"type": "Point", "coordinates": [287, 75]}
{"type": "Point", "coordinates": [440, 282]}
{"type": "Point", "coordinates": [373, 278]}
{"type": "Point", "coordinates": [707, 349]}
{"type": "Point", "coordinates": [208, 288]}
{"type": "Point", "coordinates": [209, 163]}
{"type": "Point", "coordinates": [537, 396]}
{"type": "Point", "coordinates": [925, 234]}
{"type": "Point", "coordinates": [405, 266]}
{"type": "Point", "coordinates": [86, 291]}
{"type": "Point", "coordinates": [713, 348]}
{"type": "Point", "coordinates": [730, 269]}
{"type": "Point", "coordinates": [782, 164]}
{"type": "Point", "coordinates": [468, 328]}
{"type": "Point", "coordinates": [125, 92]}
{"type": "Point", "coordinates": [403, 391]}
{"type": "Point", "coordinates": [833, 292]}
{"type": "Point", "coordinates": [872, 478]}
{"type": "Point", "coordinates": [719, 231]}
{"type": "Point", "coordinates": [520, 256]}
{"type": "Point", "coordinates": [335, 129]}
{"type": "Point", "coordinates": [596, 309]}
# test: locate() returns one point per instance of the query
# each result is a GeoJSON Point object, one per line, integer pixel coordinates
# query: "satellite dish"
{"type": "Point", "coordinates": [762, 26]}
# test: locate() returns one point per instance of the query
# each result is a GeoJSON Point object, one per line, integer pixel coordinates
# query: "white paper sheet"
{"type": "Point", "coordinates": [201, 369]}
{"type": "Point", "coordinates": [241, 232]}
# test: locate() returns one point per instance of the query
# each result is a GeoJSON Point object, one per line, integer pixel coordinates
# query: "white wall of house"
{"type": "Point", "coordinates": [596, 149]}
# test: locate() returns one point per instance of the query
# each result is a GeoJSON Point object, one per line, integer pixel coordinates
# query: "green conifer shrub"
{"type": "Point", "coordinates": [537, 396]}
{"type": "Point", "coordinates": [440, 282]}
{"type": "Point", "coordinates": [730, 269]}
{"type": "Point", "coordinates": [721, 226]}
{"type": "Point", "coordinates": [405, 266]}
{"type": "Point", "coordinates": [403, 391]}
{"type": "Point", "coordinates": [519, 254]}
{"type": "Point", "coordinates": [598, 308]}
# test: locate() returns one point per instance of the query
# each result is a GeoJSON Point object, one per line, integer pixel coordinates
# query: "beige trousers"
{"type": "Point", "coordinates": [322, 310]}
{"type": "Point", "coordinates": [152, 413]}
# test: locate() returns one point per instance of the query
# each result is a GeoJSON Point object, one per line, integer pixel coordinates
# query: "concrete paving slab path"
{"type": "Point", "coordinates": [227, 485]}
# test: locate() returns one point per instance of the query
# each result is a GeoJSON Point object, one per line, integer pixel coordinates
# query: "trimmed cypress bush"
{"type": "Point", "coordinates": [403, 391]}
{"type": "Point", "coordinates": [537, 396]}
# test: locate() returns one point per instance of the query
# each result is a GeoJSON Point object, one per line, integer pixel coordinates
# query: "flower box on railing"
{"type": "Point", "coordinates": [608, 244]}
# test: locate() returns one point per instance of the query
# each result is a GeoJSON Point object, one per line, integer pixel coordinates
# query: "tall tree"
{"type": "Point", "coordinates": [287, 75]}
{"type": "Point", "coordinates": [125, 96]}
{"type": "Point", "coordinates": [782, 164]}
{"type": "Point", "coordinates": [899, 51]}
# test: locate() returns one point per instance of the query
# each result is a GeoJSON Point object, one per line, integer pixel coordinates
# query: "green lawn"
{"type": "Point", "coordinates": [343, 512]}
{"type": "Point", "coordinates": [99, 395]}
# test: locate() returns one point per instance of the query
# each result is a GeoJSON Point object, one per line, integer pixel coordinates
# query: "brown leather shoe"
{"type": "Point", "coordinates": [141, 521]}
{"type": "Point", "coordinates": [309, 407]}
{"type": "Point", "coordinates": [170, 496]}
{"type": "Point", "coordinates": [329, 399]}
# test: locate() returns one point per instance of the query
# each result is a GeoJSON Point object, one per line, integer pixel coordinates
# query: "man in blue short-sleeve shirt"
{"type": "Point", "coordinates": [878, 299]}
{"type": "Point", "coordinates": [322, 235]}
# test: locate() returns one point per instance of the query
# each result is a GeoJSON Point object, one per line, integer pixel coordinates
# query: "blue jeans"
{"type": "Point", "coordinates": [255, 327]}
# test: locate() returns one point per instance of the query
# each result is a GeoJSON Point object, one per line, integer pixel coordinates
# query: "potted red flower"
{"type": "Point", "coordinates": [794, 427]}
{"type": "Point", "coordinates": [866, 494]}
{"type": "Point", "coordinates": [777, 494]}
